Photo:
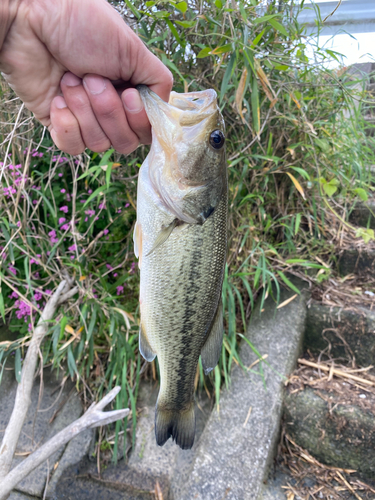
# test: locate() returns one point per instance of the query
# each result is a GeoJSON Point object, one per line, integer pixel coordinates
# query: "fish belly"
{"type": "Point", "coordinates": [180, 290]}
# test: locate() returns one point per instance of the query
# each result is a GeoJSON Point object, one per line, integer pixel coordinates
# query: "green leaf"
{"type": "Point", "coordinates": [331, 187]}
{"type": "Point", "coordinates": [361, 193]}
{"type": "Point", "coordinates": [185, 24]}
{"type": "Point", "coordinates": [2, 308]}
{"type": "Point", "coordinates": [366, 234]}
{"type": "Point", "coordinates": [182, 7]}
{"type": "Point", "coordinates": [258, 38]}
{"type": "Point", "coordinates": [150, 4]}
{"type": "Point", "coordinates": [174, 31]}
{"type": "Point", "coordinates": [280, 67]}
{"type": "Point", "coordinates": [288, 282]}
{"type": "Point", "coordinates": [264, 19]}
{"type": "Point", "coordinates": [204, 53]}
{"type": "Point", "coordinates": [227, 75]}
{"type": "Point", "coordinates": [278, 27]}
{"type": "Point", "coordinates": [218, 4]}
{"type": "Point", "coordinates": [161, 14]}
{"type": "Point", "coordinates": [255, 105]}
{"type": "Point", "coordinates": [17, 365]}
{"type": "Point", "coordinates": [133, 9]}
{"type": "Point", "coordinates": [222, 49]}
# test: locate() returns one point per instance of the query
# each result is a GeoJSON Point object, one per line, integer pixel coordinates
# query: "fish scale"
{"type": "Point", "coordinates": [180, 291]}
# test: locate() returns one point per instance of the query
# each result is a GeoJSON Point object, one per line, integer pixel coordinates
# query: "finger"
{"type": "Point", "coordinates": [110, 113]}
{"type": "Point", "coordinates": [136, 115]}
{"type": "Point", "coordinates": [79, 104]}
{"type": "Point", "coordinates": [64, 128]}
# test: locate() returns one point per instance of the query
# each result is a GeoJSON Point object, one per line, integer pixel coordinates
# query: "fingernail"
{"type": "Point", "coordinates": [60, 102]}
{"type": "Point", "coordinates": [94, 84]}
{"type": "Point", "coordinates": [132, 101]}
{"type": "Point", "coordinates": [70, 80]}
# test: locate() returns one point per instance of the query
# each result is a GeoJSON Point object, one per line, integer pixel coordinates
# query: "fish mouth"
{"type": "Point", "coordinates": [182, 109]}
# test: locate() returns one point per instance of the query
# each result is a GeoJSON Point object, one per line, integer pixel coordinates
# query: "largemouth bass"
{"type": "Point", "coordinates": [180, 239]}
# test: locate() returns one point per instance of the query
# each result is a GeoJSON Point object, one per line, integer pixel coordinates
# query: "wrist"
{"type": "Point", "coordinates": [8, 12]}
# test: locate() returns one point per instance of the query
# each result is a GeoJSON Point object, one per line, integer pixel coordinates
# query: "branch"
{"type": "Point", "coordinates": [23, 396]}
{"type": "Point", "coordinates": [94, 417]}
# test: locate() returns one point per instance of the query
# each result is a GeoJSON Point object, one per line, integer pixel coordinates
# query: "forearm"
{"type": "Point", "coordinates": [8, 11]}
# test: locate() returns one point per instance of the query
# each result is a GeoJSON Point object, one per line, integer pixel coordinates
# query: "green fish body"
{"type": "Point", "coordinates": [180, 240]}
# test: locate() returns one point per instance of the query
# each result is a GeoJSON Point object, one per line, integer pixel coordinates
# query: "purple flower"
{"type": "Point", "coordinates": [62, 190]}
{"type": "Point", "coordinates": [60, 174]}
{"type": "Point", "coordinates": [115, 275]}
{"type": "Point", "coordinates": [62, 220]}
{"type": "Point", "coordinates": [108, 266]}
{"type": "Point", "coordinates": [89, 191]}
{"type": "Point", "coordinates": [53, 238]}
{"type": "Point", "coordinates": [64, 209]}
{"type": "Point", "coordinates": [48, 292]}
{"type": "Point", "coordinates": [132, 268]}
{"type": "Point", "coordinates": [101, 205]}
{"type": "Point", "coordinates": [119, 290]}
{"type": "Point", "coordinates": [105, 231]}
{"type": "Point", "coordinates": [65, 227]}
{"type": "Point", "coordinates": [73, 248]}
{"type": "Point", "coordinates": [23, 311]}
{"type": "Point", "coordinates": [90, 212]}
{"type": "Point", "coordinates": [127, 205]}
{"type": "Point", "coordinates": [38, 296]}
{"type": "Point", "coordinates": [13, 295]}
{"type": "Point", "coordinates": [12, 270]}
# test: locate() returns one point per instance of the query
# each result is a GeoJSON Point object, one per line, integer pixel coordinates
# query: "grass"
{"type": "Point", "coordinates": [298, 155]}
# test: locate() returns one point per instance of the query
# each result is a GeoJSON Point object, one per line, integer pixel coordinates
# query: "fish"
{"type": "Point", "coordinates": [180, 240]}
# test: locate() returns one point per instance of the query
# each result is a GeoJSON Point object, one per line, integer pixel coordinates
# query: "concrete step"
{"type": "Point", "coordinates": [359, 261]}
{"type": "Point", "coordinates": [235, 446]}
{"type": "Point", "coordinates": [363, 214]}
{"type": "Point", "coordinates": [333, 420]}
{"type": "Point", "coordinates": [239, 442]}
{"type": "Point", "coordinates": [341, 333]}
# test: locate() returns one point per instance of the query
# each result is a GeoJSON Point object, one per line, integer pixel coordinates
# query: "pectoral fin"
{"type": "Point", "coordinates": [144, 346]}
{"type": "Point", "coordinates": [163, 236]}
{"type": "Point", "coordinates": [137, 238]}
{"type": "Point", "coordinates": [212, 348]}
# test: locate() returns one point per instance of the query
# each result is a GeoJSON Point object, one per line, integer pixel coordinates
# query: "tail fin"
{"type": "Point", "coordinates": [180, 425]}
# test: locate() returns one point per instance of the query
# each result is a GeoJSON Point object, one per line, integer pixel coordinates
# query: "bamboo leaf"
{"type": "Point", "coordinates": [227, 75]}
{"type": "Point", "coordinates": [297, 185]}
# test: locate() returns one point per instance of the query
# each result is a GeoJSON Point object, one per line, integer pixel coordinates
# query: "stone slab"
{"type": "Point", "coordinates": [363, 214]}
{"type": "Point", "coordinates": [342, 333]}
{"type": "Point", "coordinates": [16, 495]}
{"type": "Point", "coordinates": [239, 442]}
{"type": "Point", "coordinates": [357, 261]}
{"type": "Point", "coordinates": [337, 432]}
{"type": "Point", "coordinates": [74, 452]}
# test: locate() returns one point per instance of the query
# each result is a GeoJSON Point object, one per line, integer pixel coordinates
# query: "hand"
{"type": "Point", "coordinates": [83, 50]}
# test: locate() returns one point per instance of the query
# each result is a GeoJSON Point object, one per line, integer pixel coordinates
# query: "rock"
{"type": "Point", "coordinates": [15, 495]}
{"type": "Point", "coordinates": [74, 452]}
{"type": "Point", "coordinates": [336, 430]}
{"type": "Point", "coordinates": [363, 214]}
{"type": "Point", "coordinates": [239, 442]}
{"type": "Point", "coordinates": [357, 261]}
{"type": "Point", "coordinates": [349, 332]}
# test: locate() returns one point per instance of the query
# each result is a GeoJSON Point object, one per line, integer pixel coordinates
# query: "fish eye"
{"type": "Point", "coordinates": [217, 139]}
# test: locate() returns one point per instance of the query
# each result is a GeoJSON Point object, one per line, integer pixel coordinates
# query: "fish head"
{"type": "Point", "coordinates": [187, 158]}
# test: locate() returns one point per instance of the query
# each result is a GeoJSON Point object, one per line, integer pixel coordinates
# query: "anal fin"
{"type": "Point", "coordinates": [144, 346]}
{"type": "Point", "coordinates": [211, 350]}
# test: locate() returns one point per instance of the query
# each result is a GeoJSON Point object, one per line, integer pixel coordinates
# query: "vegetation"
{"type": "Point", "coordinates": [298, 159]}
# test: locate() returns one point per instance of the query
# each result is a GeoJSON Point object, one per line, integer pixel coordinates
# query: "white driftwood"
{"type": "Point", "coordinates": [94, 417]}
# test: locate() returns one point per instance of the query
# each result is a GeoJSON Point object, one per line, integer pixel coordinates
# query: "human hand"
{"type": "Point", "coordinates": [81, 49]}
